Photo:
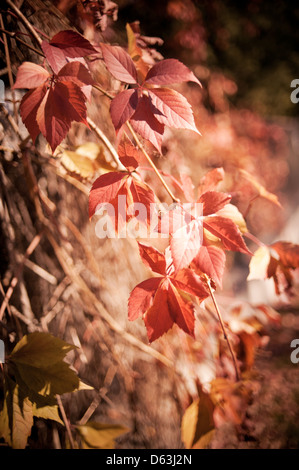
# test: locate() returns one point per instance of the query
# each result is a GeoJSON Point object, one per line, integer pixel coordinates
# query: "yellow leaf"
{"type": "Point", "coordinates": [197, 420]}
{"type": "Point", "coordinates": [16, 418]}
{"type": "Point", "coordinates": [47, 412]}
{"type": "Point", "coordinates": [40, 350]}
{"type": "Point", "coordinates": [259, 262]}
{"type": "Point", "coordinates": [86, 160]}
{"type": "Point", "coordinates": [99, 435]}
{"type": "Point", "coordinates": [232, 212]}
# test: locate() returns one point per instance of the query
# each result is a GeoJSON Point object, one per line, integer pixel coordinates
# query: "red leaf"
{"type": "Point", "coordinates": [75, 72]}
{"type": "Point", "coordinates": [173, 109]}
{"type": "Point", "coordinates": [228, 232]}
{"type": "Point", "coordinates": [119, 63]}
{"type": "Point", "coordinates": [152, 258]}
{"type": "Point", "coordinates": [30, 76]}
{"type": "Point", "coordinates": [105, 190]}
{"type": "Point", "coordinates": [288, 253]}
{"type": "Point", "coordinates": [187, 187]}
{"type": "Point", "coordinates": [185, 244]}
{"type": "Point", "coordinates": [213, 201]}
{"type": "Point", "coordinates": [170, 71]}
{"type": "Point", "coordinates": [66, 44]}
{"type": "Point", "coordinates": [181, 310]}
{"type": "Point", "coordinates": [28, 109]}
{"type": "Point", "coordinates": [141, 297]}
{"type": "Point", "coordinates": [158, 319]}
{"type": "Point", "coordinates": [139, 192]}
{"type": "Point", "coordinates": [54, 56]}
{"type": "Point", "coordinates": [188, 281]}
{"type": "Point", "coordinates": [211, 261]}
{"type": "Point", "coordinates": [128, 155]}
{"type": "Point", "coordinates": [123, 107]}
{"type": "Point", "coordinates": [61, 105]}
{"type": "Point", "coordinates": [144, 122]}
{"type": "Point", "coordinates": [211, 180]}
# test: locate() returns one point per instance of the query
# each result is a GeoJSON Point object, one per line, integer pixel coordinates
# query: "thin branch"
{"type": "Point", "coordinates": [9, 71]}
{"type": "Point", "coordinates": [66, 422]}
{"type": "Point", "coordinates": [16, 37]}
{"type": "Point", "coordinates": [100, 134]}
{"type": "Point", "coordinates": [141, 147]}
{"type": "Point", "coordinates": [24, 21]}
{"type": "Point", "coordinates": [223, 329]}
{"type": "Point", "coordinates": [17, 275]}
{"type": "Point", "coordinates": [253, 239]}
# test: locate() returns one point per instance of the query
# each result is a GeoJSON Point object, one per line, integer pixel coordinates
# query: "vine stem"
{"type": "Point", "coordinates": [65, 420]}
{"type": "Point", "coordinates": [254, 239]}
{"type": "Point", "coordinates": [141, 147]}
{"type": "Point", "coordinates": [25, 21]}
{"type": "Point", "coordinates": [223, 328]}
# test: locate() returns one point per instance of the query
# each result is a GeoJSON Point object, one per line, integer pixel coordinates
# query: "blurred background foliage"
{"type": "Point", "coordinates": [252, 42]}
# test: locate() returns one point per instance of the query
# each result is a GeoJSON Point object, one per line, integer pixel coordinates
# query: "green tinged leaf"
{"type": "Point", "coordinates": [48, 382]}
{"type": "Point", "coordinates": [38, 358]}
{"type": "Point", "coordinates": [47, 412]}
{"type": "Point", "coordinates": [100, 436]}
{"type": "Point", "coordinates": [40, 350]}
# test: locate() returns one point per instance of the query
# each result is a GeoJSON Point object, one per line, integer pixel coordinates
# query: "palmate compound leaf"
{"type": "Point", "coordinates": [96, 435]}
{"type": "Point", "coordinates": [149, 109]}
{"type": "Point", "coordinates": [125, 197]}
{"type": "Point", "coordinates": [164, 300]}
{"type": "Point", "coordinates": [51, 106]}
{"type": "Point", "coordinates": [61, 105]}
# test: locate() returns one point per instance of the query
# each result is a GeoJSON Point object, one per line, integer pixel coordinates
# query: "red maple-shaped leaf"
{"type": "Point", "coordinates": [66, 44]}
{"type": "Point", "coordinates": [148, 108]}
{"type": "Point", "coordinates": [163, 301]}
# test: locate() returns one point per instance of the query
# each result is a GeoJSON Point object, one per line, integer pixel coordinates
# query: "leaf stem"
{"type": "Point", "coordinates": [141, 147]}
{"type": "Point", "coordinates": [223, 329]}
{"type": "Point", "coordinates": [253, 238]}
